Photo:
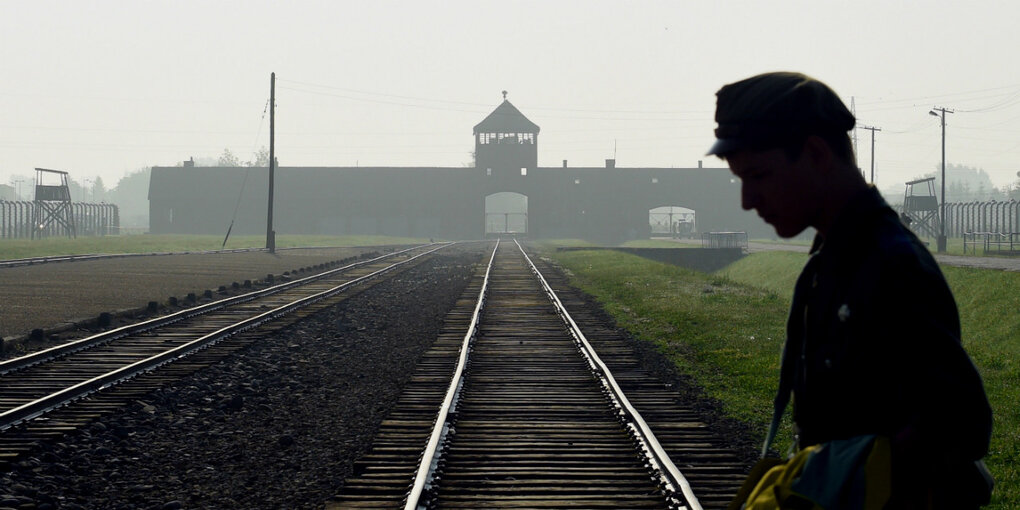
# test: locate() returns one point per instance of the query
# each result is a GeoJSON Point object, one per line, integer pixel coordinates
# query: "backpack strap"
{"type": "Point", "coordinates": [779, 406]}
{"type": "Point", "coordinates": [791, 350]}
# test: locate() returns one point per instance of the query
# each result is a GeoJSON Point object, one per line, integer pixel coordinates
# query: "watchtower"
{"type": "Point", "coordinates": [921, 207]}
{"type": "Point", "coordinates": [52, 204]}
{"type": "Point", "coordinates": [506, 142]}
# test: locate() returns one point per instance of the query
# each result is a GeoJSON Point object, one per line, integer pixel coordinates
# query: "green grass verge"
{"type": "Point", "coordinates": [727, 335]}
{"type": "Point", "coordinates": [50, 247]}
{"type": "Point", "coordinates": [726, 331]}
{"type": "Point", "coordinates": [775, 271]}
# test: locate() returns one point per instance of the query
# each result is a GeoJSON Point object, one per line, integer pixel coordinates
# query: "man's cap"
{"type": "Point", "coordinates": [764, 111]}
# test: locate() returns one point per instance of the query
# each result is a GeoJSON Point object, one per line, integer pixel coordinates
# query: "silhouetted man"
{"type": "Point", "coordinates": [873, 336]}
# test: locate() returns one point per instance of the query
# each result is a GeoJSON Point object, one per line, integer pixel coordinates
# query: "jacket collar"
{"type": "Point", "coordinates": [849, 223]}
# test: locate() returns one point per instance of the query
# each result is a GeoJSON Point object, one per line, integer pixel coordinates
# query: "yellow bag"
{"type": "Point", "coordinates": [848, 474]}
{"type": "Point", "coordinates": [773, 490]}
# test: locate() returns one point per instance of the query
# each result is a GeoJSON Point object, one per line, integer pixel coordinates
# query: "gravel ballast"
{"type": "Point", "coordinates": [278, 425]}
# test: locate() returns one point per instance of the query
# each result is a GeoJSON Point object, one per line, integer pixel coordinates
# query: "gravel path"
{"type": "Point", "coordinates": [997, 263]}
{"type": "Point", "coordinates": [275, 426]}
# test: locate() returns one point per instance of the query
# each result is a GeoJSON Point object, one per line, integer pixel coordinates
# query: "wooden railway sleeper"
{"type": "Point", "coordinates": [425, 495]}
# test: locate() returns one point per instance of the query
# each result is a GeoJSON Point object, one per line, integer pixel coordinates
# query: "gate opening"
{"type": "Point", "coordinates": [506, 213]}
{"type": "Point", "coordinates": [672, 221]}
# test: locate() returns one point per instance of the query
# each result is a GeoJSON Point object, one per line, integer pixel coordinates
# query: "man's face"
{"type": "Point", "coordinates": [781, 190]}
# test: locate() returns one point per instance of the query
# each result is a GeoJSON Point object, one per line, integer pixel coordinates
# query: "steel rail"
{"type": "Point", "coordinates": [41, 406]}
{"type": "Point", "coordinates": [670, 474]}
{"type": "Point", "coordinates": [45, 355]}
{"type": "Point", "coordinates": [430, 456]}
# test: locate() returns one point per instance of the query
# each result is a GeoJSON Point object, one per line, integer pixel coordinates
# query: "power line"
{"type": "Point", "coordinates": [483, 111]}
{"type": "Point", "coordinates": [1014, 86]}
{"type": "Point", "coordinates": [1006, 103]}
{"type": "Point", "coordinates": [487, 105]}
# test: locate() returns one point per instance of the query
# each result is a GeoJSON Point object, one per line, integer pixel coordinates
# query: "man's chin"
{"type": "Point", "coordinates": [786, 232]}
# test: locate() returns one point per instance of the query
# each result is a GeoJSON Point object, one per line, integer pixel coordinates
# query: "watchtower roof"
{"type": "Point", "coordinates": [506, 118]}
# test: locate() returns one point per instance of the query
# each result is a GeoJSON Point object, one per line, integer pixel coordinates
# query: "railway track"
{"type": "Point", "coordinates": [519, 405]}
{"type": "Point", "coordinates": [48, 393]}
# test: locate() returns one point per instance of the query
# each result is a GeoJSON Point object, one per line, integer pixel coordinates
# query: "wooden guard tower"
{"type": "Point", "coordinates": [506, 142]}
{"type": "Point", "coordinates": [52, 204]}
{"type": "Point", "coordinates": [921, 207]}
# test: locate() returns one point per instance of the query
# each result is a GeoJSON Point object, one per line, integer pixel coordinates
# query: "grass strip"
{"type": "Point", "coordinates": [728, 336]}
{"type": "Point", "coordinates": [726, 331]}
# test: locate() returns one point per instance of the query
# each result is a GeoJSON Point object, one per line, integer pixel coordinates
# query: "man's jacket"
{"type": "Point", "coordinates": [873, 345]}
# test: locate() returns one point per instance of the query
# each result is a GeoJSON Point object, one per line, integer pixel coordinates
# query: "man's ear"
{"type": "Point", "coordinates": [818, 152]}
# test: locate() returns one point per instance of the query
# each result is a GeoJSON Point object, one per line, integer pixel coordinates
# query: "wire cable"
{"type": "Point", "coordinates": [247, 171]}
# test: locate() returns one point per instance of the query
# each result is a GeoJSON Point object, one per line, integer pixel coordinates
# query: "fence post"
{"type": "Point", "coordinates": [953, 220]}
{"type": "Point", "coordinates": [23, 222]}
{"type": "Point", "coordinates": [983, 218]}
{"type": "Point", "coordinates": [1013, 215]}
{"type": "Point", "coordinates": [966, 217]}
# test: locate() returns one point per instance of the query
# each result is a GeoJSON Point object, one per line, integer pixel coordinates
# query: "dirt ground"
{"type": "Point", "coordinates": [48, 295]}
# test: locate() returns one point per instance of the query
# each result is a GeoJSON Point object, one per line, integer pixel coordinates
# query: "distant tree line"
{"type": "Point", "coordinates": [228, 158]}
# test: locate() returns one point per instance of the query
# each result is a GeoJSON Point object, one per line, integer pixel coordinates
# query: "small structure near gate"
{"type": "Point", "coordinates": [997, 243]}
{"type": "Point", "coordinates": [724, 240]}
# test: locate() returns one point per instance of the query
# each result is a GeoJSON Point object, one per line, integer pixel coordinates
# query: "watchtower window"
{"type": "Point", "coordinates": [488, 171]}
{"type": "Point", "coordinates": [506, 138]}
{"type": "Point", "coordinates": [524, 170]}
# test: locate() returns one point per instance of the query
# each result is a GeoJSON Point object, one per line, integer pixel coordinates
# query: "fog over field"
{"type": "Point", "coordinates": [102, 89]}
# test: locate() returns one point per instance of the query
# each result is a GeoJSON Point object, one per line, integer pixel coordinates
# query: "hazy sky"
{"type": "Point", "coordinates": [105, 88]}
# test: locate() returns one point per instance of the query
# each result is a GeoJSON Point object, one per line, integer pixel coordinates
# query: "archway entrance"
{"type": "Point", "coordinates": [672, 221]}
{"type": "Point", "coordinates": [506, 213]}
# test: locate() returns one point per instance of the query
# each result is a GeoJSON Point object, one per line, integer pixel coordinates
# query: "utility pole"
{"type": "Point", "coordinates": [270, 235]}
{"type": "Point", "coordinates": [941, 241]}
{"type": "Point", "coordinates": [872, 129]}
